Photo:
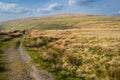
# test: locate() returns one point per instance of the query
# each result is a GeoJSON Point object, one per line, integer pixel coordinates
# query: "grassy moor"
{"type": "Point", "coordinates": [69, 47]}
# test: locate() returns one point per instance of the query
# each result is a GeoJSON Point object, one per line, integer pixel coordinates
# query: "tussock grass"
{"type": "Point", "coordinates": [73, 47]}
{"type": "Point", "coordinates": [76, 54]}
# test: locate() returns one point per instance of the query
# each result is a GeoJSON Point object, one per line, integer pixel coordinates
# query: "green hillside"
{"type": "Point", "coordinates": [64, 21]}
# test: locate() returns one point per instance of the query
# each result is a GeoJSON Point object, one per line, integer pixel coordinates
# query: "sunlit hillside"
{"type": "Point", "coordinates": [64, 21]}
{"type": "Point", "coordinates": [71, 47]}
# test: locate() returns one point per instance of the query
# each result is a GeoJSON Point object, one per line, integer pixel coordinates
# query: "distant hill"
{"type": "Point", "coordinates": [63, 21]}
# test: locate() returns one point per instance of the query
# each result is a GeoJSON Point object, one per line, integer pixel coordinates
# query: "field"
{"type": "Point", "coordinates": [72, 47]}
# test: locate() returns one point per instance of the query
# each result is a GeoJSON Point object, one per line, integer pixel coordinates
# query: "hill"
{"type": "Point", "coordinates": [64, 21]}
{"type": "Point", "coordinates": [71, 47]}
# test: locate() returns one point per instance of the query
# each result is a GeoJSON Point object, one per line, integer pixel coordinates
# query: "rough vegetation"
{"type": "Point", "coordinates": [76, 54]}
{"type": "Point", "coordinates": [6, 36]}
{"type": "Point", "coordinates": [65, 21]}
{"type": "Point", "coordinates": [7, 39]}
{"type": "Point", "coordinates": [73, 47]}
{"type": "Point", "coordinates": [3, 60]}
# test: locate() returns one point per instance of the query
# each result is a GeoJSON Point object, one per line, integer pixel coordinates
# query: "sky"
{"type": "Point", "coordinates": [15, 9]}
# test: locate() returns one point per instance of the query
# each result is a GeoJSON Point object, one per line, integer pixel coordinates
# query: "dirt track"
{"type": "Point", "coordinates": [20, 66]}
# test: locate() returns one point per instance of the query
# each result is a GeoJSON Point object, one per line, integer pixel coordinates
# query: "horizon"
{"type": "Point", "coordinates": [53, 15]}
{"type": "Point", "coordinates": [17, 9]}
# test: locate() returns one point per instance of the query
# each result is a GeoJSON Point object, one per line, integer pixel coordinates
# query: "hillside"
{"type": "Point", "coordinates": [70, 47]}
{"type": "Point", "coordinates": [65, 21]}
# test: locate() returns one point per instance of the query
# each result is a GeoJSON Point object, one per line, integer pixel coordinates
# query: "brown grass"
{"type": "Point", "coordinates": [85, 54]}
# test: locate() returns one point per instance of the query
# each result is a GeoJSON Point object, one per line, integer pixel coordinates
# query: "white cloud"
{"type": "Point", "coordinates": [72, 2]}
{"type": "Point", "coordinates": [10, 7]}
{"type": "Point", "coordinates": [117, 13]}
{"type": "Point", "coordinates": [50, 8]}
{"type": "Point", "coordinates": [14, 8]}
{"type": "Point", "coordinates": [75, 2]}
{"type": "Point", "coordinates": [10, 11]}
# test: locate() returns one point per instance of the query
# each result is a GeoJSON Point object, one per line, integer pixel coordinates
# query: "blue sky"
{"type": "Point", "coordinates": [14, 9]}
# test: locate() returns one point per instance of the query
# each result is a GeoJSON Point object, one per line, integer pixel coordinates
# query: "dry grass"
{"type": "Point", "coordinates": [73, 47]}
{"type": "Point", "coordinates": [81, 54]}
{"type": "Point", "coordinates": [57, 22]}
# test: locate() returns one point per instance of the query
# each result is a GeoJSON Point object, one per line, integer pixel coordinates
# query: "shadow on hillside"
{"type": "Point", "coordinates": [2, 67]}
{"type": "Point", "coordinates": [1, 52]}
{"type": "Point", "coordinates": [2, 63]}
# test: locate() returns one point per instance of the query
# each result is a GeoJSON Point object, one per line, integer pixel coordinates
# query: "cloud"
{"type": "Point", "coordinates": [117, 13]}
{"type": "Point", "coordinates": [10, 7]}
{"type": "Point", "coordinates": [50, 8]}
{"type": "Point", "coordinates": [80, 2]}
{"type": "Point", "coordinates": [14, 8]}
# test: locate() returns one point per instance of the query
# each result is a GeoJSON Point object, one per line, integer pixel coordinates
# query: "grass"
{"type": "Point", "coordinates": [73, 47]}
{"type": "Point", "coordinates": [3, 69]}
{"type": "Point", "coordinates": [61, 22]}
{"type": "Point", "coordinates": [2, 65]}
{"type": "Point", "coordinates": [3, 60]}
{"type": "Point", "coordinates": [76, 54]}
